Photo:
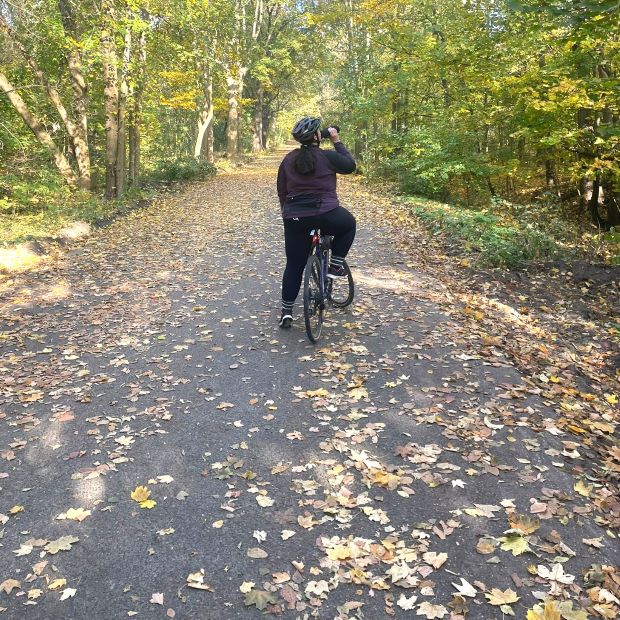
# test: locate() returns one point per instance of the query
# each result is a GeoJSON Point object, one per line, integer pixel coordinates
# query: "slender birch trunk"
{"type": "Point", "coordinates": [123, 92]}
{"type": "Point", "coordinates": [38, 130]}
{"type": "Point", "coordinates": [203, 147]}
{"type": "Point", "coordinates": [79, 146]}
{"type": "Point", "coordinates": [110, 95]}
{"type": "Point", "coordinates": [257, 125]}
{"type": "Point", "coordinates": [136, 112]}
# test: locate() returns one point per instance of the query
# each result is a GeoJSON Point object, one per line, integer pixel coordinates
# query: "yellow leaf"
{"type": "Point", "coordinates": [497, 597]}
{"type": "Point", "coordinates": [515, 543]}
{"type": "Point", "coordinates": [218, 524]}
{"type": "Point", "coordinates": [575, 429]}
{"type": "Point", "coordinates": [317, 393]}
{"type": "Point", "coordinates": [148, 503]}
{"type": "Point", "coordinates": [74, 514]}
{"type": "Point", "coordinates": [385, 479]}
{"type": "Point", "coordinates": [140, 494]}
{"type": "Point", "coordinates": [550, 612]}
{"type": "Point", "coordinates": [358, 393]}
{"type": "Point", "coordinates": [582, 488]}
{"type": "Point", "coordinates": [612, 399]}
{"type": "Point", "coordinates": [339, 552]}
{"type": "Point", "coordinates": [57, 584]}
{"type": "Point", "coordinates": [16, 509]}
{"type": "Point", "coordinates": [34, 593]}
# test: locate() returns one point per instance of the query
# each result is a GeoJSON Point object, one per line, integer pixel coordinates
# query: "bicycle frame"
{"type": "Point", "coordinates": [322, 251]}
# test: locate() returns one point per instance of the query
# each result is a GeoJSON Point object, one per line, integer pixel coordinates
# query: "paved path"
{"type": "Point", "coordinates": [357, 479]}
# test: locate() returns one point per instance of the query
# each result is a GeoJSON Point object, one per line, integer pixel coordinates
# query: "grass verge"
{"type": "Point", "coordinates": [495, 241]}
{"type": "Point", "coordinates": [36, 204]}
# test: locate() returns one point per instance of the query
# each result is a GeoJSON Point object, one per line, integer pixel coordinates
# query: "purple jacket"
{"type": "Point", "coordinates": [322, 182]}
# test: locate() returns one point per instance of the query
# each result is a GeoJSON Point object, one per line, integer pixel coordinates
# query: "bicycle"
{"type": "Point", "coordinates": [320, 290]}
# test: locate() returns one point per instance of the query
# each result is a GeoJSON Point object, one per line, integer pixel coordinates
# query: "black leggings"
{"type": "Point", "coordinates": [297, 242]}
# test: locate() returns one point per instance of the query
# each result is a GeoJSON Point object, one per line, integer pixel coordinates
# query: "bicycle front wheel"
{"type": "Point", "coordinates": [342, 290]}
{"type": "Point", "coordinates": [314, 306]}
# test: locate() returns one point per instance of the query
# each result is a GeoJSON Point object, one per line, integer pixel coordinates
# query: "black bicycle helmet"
{"type": "Point", "coordinates": [305, 129]}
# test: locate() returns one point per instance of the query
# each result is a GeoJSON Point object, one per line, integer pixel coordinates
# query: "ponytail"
{"type": "Point", "coordinates": [305, 162]}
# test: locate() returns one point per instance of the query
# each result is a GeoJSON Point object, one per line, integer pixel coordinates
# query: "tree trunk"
{"type": "Point", "coordinates": [136, 111]}
{"type": "Point", "coordinates": [38, 130]}
{"type": "Point", "coordinates": [550, 175]}
{"type": "Point", "coordinates": [609, 199]}
{"type": "Point", "coordinates": [80, 92]}
{"type": "Point", "coordinates": [269, 129]}
{"type": "Point", "coordinates": [79, 146]}
{"type": "Point", "coordinates": [234, 83]}
{"type": "Point", "coordinates": [203, 148]}
{"type": "Point", "coordinates": [121, 143]}
{"type": "Point", "coordinates": [110, 96]}
{"type": "Point", "coordinates": [586, 184]}
{"type": "Point", "coordinates": [257, 125]}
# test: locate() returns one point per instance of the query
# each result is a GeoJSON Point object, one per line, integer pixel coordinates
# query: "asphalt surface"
{"type": "Point", "coordinates": [152, 349]}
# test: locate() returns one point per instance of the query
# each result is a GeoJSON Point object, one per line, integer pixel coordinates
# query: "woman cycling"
{"type": "Point", "coordinates": [307, 192]}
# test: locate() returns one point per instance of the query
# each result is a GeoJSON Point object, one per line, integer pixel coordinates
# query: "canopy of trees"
{"type": "Point", "coordinates": [460, 100]}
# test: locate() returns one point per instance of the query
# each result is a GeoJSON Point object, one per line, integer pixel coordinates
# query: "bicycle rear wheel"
{"type": "Point", "coordinates": [342, 290]}
{"type": "Point", "coordinates": [314, 306]}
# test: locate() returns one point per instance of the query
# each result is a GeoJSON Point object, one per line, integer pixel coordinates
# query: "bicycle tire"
{"type": "Point", "coordinates": [314, 306]}
{"type": "Point", "coordinates": [342, 301]}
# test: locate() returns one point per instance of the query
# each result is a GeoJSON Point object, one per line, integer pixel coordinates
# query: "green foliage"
{"type": "Point", "coordinates": [181, 169]}
{"type": "Point", "coordinates": [495, 243]}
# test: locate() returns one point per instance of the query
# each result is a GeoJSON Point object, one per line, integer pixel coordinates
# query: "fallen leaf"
{"type": "Point", "coordinates": [260, 598]}
{"type": "Point", "coordinates": [63, 543]}
{"type": "Point", "coordinates": [196, 581]}
{"type": "Point", "coordinates": [67, 593]}
{"type": "Point", "coordinates": [257, 553]}
{"type": "Point", "coordinates": [406, 603]}
{"type": "Point", "coordinates": [56, 584]}
{"type": "Point", "coordinates": [140, 494]}
{"type": "Point", "coordinates": [582, 488]}
{"type": "Point", "coordinates": [317, 588]}
{"type": "Point", "coordinates": [555, 574]}
{"type": "Point", "coordinates": [166, 531]}
{"type": "Point", "coordinates": [549, 612]}
{"type": "Point", "coordinates": [436, 560]}
{"type": "Point", "coordinates": [524, 523]}
{"type": "Point", "coordinates": [8, 585]}
{"type": "Point", "coordinates": [157, 598]}
{"type": "Point", "coordinates": [428, 610]}
{"type": "Point", "coordinates": [74, 514]}
{"type": "Point", "coordinates": [264, 501]}
{"type": "Point", "coordinates": [465, 588]}
{"type": "Point", "coordinates": [514, 542]}
{"type": "Point", "coordinates": [499, 597]}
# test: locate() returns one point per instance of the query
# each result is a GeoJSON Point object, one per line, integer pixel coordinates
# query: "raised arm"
{"type": "Point", "coordinates": [340, 159]}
